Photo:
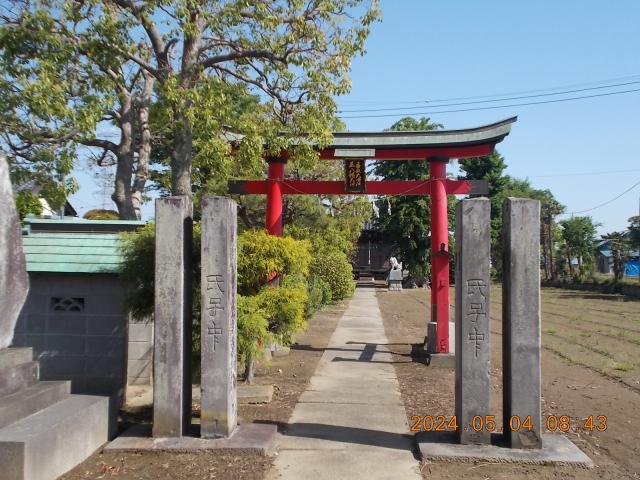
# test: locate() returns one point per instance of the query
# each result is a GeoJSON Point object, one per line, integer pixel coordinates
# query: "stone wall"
{"type": "Point", "coordinates": [140, 354]}
{"type": "Point", "coordinates": [77, 328]}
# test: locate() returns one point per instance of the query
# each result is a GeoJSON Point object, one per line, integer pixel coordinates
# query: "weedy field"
{"type": "Point", "coordinates": [590, 368]}
{"type": "Point", "coordinates": [597, 331]}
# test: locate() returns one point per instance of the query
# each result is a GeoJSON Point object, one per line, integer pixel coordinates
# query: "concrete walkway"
{"type": "Point", "coordinates": [350, 423]}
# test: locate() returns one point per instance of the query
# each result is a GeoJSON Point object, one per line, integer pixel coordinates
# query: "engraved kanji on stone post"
{"type": "Point", "coordinates": [218, 318]}
{"type": "Point", "coordinates": [473, 352]}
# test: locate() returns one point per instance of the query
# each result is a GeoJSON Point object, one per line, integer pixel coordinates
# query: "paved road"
{"type": "Point", "coordinates": [350, 423]}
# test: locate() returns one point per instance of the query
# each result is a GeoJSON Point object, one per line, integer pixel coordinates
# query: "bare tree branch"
{"type": "Point", "coordinates": [263, 54]}
{"type": "Point", "coordinates": [155, 37]}
{"type": "Point", "coordinates": [99, 143]}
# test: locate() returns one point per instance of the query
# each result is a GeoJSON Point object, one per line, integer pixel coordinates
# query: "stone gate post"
{"type": "Point", "coordinates": [172, 318]}
{"type": "Point", "coordinates": [218, 318]}
{"type": "Point", "coordinates": [473, 346]}
{"type": "Point", "coordinates": [521, 322]}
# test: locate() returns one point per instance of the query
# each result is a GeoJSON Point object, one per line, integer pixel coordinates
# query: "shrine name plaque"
{"type": "Point", "coordinates": [354, 175]}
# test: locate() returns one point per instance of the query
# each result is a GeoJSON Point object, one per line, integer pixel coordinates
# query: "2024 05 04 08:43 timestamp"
{"type": "Point", "coordinates": [554, 423]}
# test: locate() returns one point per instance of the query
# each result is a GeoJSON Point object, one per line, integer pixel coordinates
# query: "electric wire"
{"type": "Point", "coordinates": [607, 202]}
{"type": "Point", "coordinates": [576, 174]}
{"type": "Point", "coordinates": [493, 107]}
{"type": "Point", "coordinates": [475, 97]}
{"type": "Point", "coordinates": [492, 100]}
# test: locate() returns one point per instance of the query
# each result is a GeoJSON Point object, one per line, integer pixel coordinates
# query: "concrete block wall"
{"type": "Point", "coordinates": [77, 327]}
{"type": "Point", "coordinates": [140, 358]}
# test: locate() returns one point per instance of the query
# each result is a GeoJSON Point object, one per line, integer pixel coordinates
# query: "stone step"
{"type": "Point", "coordinates": [31, 400]}
{"type": "Point", "coordinates": [49, 443]}
{"type": "Point", "coordinates": [18, 377]}
{"type": "Point", "coordinates": [12, 356]}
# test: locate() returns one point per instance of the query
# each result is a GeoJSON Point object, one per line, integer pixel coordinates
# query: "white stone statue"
{"type": "Point", "coordinates": [395, 265]}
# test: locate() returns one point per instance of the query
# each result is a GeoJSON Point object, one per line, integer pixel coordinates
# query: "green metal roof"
{"type": "Point", "coordinates": [82, 222]}
{"type": "Point", "coordinates": [72, 250]}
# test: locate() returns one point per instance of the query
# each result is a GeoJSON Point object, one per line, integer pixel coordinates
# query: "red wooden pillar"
{"type": "Point", "coordinates": [273, 221]}
{"type": "Point", "coordinates": [439, 252]}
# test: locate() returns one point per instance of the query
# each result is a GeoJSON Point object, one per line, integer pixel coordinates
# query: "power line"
{"type": "Point", "coordinates": [557, 100]}
{"type": "Point", "coordinates": [493, 100]}
{"type": "Point", "coordinates": [583, 173]}
{"type": "Point", "coordinates": [607, 202]}
{"type": "Point", "coordinates": [521, 92]}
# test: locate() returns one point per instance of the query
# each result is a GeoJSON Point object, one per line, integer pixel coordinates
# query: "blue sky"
{"type": "Point", "coordinates": [435, 49]}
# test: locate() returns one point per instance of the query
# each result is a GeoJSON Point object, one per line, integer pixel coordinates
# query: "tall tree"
{"type": "Point", "coordinates": [490, 168]}
{"type": "Point", "coordinates": [620, 246]}
{"type": "Point", "coordinates": [294, 54]}
{"type": "Point", "coordinates": [63, 89]}
{"type": "Point", "coordinates": [634, 230]}
{"type": "Point", "coordinates": [404, 219]}
{"type": "Point", "coordinates": [634, 236]}
{"type": "Point", "coordinates": [579, 235]}
{"type": "Point", "coordinates": [550, 208]}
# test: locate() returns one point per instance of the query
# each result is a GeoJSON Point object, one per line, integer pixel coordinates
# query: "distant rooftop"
{"type": "Point", "coordinates": [74, 245]}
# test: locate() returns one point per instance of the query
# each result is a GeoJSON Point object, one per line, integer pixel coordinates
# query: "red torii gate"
{"type": "Point", "coordinates": [436, 146]}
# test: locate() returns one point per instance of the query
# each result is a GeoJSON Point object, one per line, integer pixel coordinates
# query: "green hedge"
{"type": "Point", "coordinates": [319, 294]}
{"type": "Point", "coordinates": [263, 312]}
{"type": "Point", "coordinates": [336, 271]}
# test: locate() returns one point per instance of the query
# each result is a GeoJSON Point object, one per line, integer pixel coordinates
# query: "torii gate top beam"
{"type": "Point", "coordinates": [392, 145]}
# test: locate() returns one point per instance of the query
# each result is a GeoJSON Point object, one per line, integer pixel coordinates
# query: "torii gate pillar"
{"type": "Point", "coordinates": [273, 221]}
{"type": "Point", "coordinates": [439, 240]}
{"type": "Point", "coordinates": [439, 255]}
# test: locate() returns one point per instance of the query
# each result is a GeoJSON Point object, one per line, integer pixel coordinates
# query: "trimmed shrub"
{"type": "Point", "coordinates": [101, 214]}
{"type": "Point", "coordinates": [265, 314]}
{"type": "Point", "coordinates": [336, 271]}
{"type": "Point", "coordinates": [260, 255]}
{"type": "Point", "coordinates": [285, 310]}
{"type": "Point", "coordinates": [318, 293]}
{"type": "Point", "coordinates": [331, 248]}
{"type": "Point", "coordinates": [137, 269]}
{"type": "Point", "coordinates": [253, 328]}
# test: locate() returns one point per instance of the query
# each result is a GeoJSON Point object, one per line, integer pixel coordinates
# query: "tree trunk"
{"type": "Point", "coordinates": [124, 169]}
{"type": "Point", "coordinates": [182, 154]}
{"type": "Point", "coordinates": [618, 266]}
{"type": "Point", "coordinates": [181, 158]}
{"type": "Point", "coordinates": [580, 266]}
{"type": "Point", "coordinates": [122, 189]}
{"type": "Point", "coordinates": [249, 368]}
{"type": "Point", "coordinates": [543, 244]}
{"type": "Point", "coordinates": [244, 216]}
{"type": "Point", "coordinates": [554, 272]}
{"type": "Point", "coordinates": [144, 149]}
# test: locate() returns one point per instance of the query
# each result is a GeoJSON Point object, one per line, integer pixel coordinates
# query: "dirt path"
{"type": "Point", "coordinates": [590, 366]}
{"type": "Point", "coordinates": [290, 376]}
